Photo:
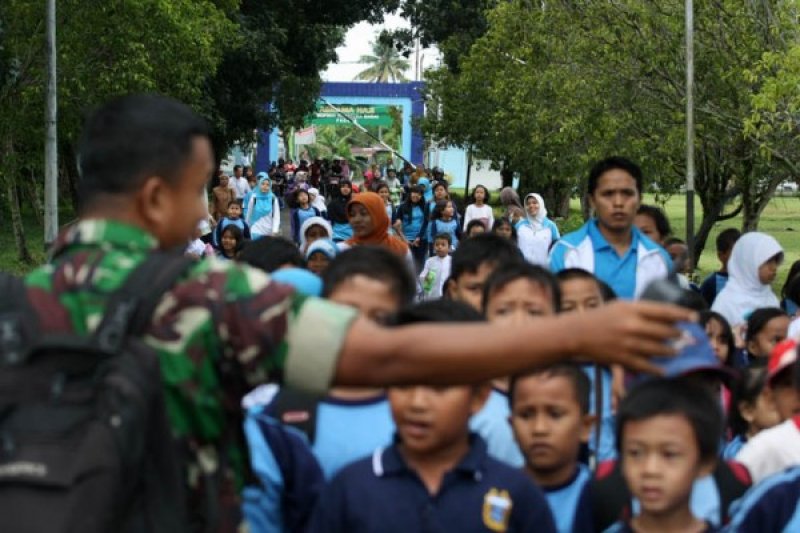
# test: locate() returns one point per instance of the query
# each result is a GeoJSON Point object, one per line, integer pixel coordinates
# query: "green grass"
{"type": "Point", "coordinates": [34, 235]}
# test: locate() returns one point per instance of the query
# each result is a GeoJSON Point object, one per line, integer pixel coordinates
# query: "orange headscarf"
{"type": "Point", "coordinates": [380, 234]}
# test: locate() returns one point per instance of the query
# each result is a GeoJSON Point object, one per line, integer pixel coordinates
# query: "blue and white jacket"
{"type": "Point", "coordinates": [576, 250]}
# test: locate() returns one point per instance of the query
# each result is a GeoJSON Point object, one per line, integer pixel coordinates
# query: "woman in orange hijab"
{"type": "Point", "coordinates": [366, 213]}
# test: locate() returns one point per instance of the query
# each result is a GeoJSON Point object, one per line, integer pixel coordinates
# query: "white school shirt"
{"type": "Point", "coordinates": [772, 450]}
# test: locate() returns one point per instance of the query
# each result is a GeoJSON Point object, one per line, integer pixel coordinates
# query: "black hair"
{"type": "Point", "coordinates": [503, 220]}
{"type": "Point", "coordinates": [706, 317]}
{"type": "Point", "coordinates": [746, 390]}
{"type": "Point", "coordinates": [794, 270]}
{"type": "Point", "coordinates": [659, 218]}
{"type": "Point", "coordinates": [437, 311]}
{"type": "Point", "coordinates": [791, 291]}
{"type": "Point", "coordinates": [609, 294]}
{"type": "Point", "coordinates": [513, 270]}
{"type": "Point", "coordinates": [613, 163]}
{"type": "Point", "coordinates": [373, 262]}
{"type": "Point", "coordinates": [760, 318]}
{"type": "Point", "coordinates": [726, 239]}
{"type": "Point", "coordinates": [404, 211]}
{"type": "Point", "coordinates": [237, 167]}
{"type": "Point", "coordinates": [296, 196]}
{"type": "Point", "coordinates": [673, 240]}
{"type": "Point", "coordinates": [444, 237]}
{"type": "Point", "coordinates": [440, 207]}
{"type": "Point", "coordinates": [235, 202]}
{"type": "Point", "coordinates": [480, 249]}
{"type": "Point", "coordinates": [674, 396]}
{"type": "Point", "coordinates": [486, 194]}
{"type": "Point", "coordinates": [237, 234]}
{"type": "Point", "coordinates": [381, 185]}
{"type": "Point", "coordinates": [131, 138]}
{"type": "Point", "coordinates": [571, 371]}
{"type": "Point", "coordinates": [568, 274]}
{"type": "Point", "coordinates": [271, 253]}
{"type": "Point", "coordinates": [693, 300]}
{"type": "Point", "coordinates": [475, 223]}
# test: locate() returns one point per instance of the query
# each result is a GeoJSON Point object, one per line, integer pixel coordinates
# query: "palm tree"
{"type": "Point", "coordinates": [385, 64]}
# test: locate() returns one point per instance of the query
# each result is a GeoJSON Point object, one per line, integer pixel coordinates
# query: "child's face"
{"type": "Point", "coordinates": [434, 420]}
{"type": "Point", "coordinates": [679, 253]}
{"type": "Point", "coordinates": [549, 426]}
{"type": "Point", "coordinates": [480, 195]}
{"type": "Point", "coordinates": [224, 180]}
{"type": "Point", "coordinates": [504, 230]}
{"type": "Point", "coordinates": [228, 242]}
{"type": "Point", "coordinates": [345, 190]}
{"type": "Point", "coordinates": [383, 192]}
{"type": "Point", "coordinates": [302, 198]}
{"type": "Point", "coordinates": [768, 271]}
{"type": "Point", "coordinates": [760, 414]}
{"type": "Point", "coordinates": [448, 211]}
{"type": "Point", "coordinates": [718, 338]}
{"type": "Point", "coordinates": [373, 298]}
{"type": "Point", "coordinates": [441, 247]}
{"type": "Point", "coordinates": [264, 186]}
{"type": "Point", "coordinates": [360, 220]}
{"type": "Point", "coordinates": [439, 193]}
{"type": "Point", "coordinates": [532, 206]}
{"type": "Point", "coordinates": [647, 225]}
{"type": "Point", "coordinates": [415, 197]}
{"type": "Point", "coordinates": [316, 232]}
{"type": "Point", "coordinates": [785, 397]}
{"type": "Point", "coordinates": [234, 211]}
{"type": "Point", "coordinates": [580, 295]}
{"type": "Point", "coordinates": [660, 461]}
{"type": "Point", "coordinates": [519, 301]}
{"type": "Point", "coordinates": [468, 288]}
{"type": "Point", "coordinates": [771, 334]}
{"type": "Point", "coordinates": [318, 262]}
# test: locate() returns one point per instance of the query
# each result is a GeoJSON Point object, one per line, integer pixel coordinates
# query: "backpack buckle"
{"type": "Point", "coordinates": [112, 331]}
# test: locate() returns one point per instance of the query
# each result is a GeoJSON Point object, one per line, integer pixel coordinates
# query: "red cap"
{"type": "Point", "coordinates": [783, 355]}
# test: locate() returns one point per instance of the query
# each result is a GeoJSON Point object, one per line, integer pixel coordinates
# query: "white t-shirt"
{"type": "Point", "coordinates": [240, 186]}
{"type": "Point", "coordinates": [772, 450]}
{"type": "Point", "coordinates": [483, 213]}
{"type": "Point", "coordinates": [433, 276]}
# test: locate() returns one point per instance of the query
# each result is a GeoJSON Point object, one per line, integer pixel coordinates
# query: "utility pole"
{"type": "Point", "coordinates": [51, 135]}
{"type": "Point", "coordinates": [690, 173]}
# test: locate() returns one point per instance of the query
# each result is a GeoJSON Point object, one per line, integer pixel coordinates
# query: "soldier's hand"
{"type": "Point", "coordinates": [629, 333]}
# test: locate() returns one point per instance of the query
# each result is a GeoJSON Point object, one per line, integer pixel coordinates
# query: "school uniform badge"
{"type": "Point", "coordinates": [496, 509]}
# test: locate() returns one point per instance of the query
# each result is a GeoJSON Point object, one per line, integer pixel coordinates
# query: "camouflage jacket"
{"type": "Point", "coordinates": [221, 315]}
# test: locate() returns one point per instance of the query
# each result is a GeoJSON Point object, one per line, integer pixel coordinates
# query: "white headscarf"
{"type": "Point", "coordinates": [313, 221]}
{"type": "Point", "coordinates": [744, 291]}
{"type": "Point", "coordinates": [318, 201]}
{"type": "Point", "coordinates": [536, 221]}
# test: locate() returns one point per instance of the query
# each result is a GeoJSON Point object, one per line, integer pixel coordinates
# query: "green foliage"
{"type": "Point", "coordinates": [385, 64]}
{"type": "Point", "coordinates": [551, 87]}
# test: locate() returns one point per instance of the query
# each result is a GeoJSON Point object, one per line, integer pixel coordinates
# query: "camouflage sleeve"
{"type": "Point", "coordinates": [267, 327]}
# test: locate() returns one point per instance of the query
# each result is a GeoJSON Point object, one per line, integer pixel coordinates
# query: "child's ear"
{"type": "Point", "coordinates": [480, 393]}
{"type": "Point", "coordinates": [747, 411]}
{"type": "Point", "coordinates": [587, 424]}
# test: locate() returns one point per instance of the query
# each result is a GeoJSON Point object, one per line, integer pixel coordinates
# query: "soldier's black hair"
{"type": "Point", "coordinates": [132, 138]}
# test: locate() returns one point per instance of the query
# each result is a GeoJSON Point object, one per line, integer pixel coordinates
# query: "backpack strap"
{"type": "Point", "coordinates": [598, 410]}
{"type": "Point", "coordinates": [131, 307]}
{"type": "Point", "coordinates": [297, 409]}
{"type": "Point", "coordinates": [732, 481]}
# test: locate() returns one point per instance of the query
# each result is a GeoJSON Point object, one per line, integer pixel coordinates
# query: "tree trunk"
{"type": "Point", "coordinates": [34, 197]}
{"type": "Point", "coordinates": [507, 176]}
{"type": "Point", "coordinates": [9, 172]}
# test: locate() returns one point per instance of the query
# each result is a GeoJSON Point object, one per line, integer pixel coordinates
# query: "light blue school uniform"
{"type": "Point", "coordinates": [491, 423]}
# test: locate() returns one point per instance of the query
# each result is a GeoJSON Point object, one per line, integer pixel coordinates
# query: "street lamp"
{"type": "Point", "coordinates": [690, 132]}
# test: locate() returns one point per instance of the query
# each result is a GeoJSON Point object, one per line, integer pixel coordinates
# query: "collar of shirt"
{"type": "Point", "coordinates": [391, 462]}
{"type": "Point", "coordinates": [599, 242]}
{"type": "Point", "coordinates": [106, 234]}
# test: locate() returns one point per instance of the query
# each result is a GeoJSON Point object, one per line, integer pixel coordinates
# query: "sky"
{"type": "Point", "coordinates": [357, 43]}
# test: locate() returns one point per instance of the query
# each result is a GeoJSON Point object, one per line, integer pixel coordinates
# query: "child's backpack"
{"type": "Point", "coordinates": [280, 435]}
{"type": "Point", "coordinates": [85, 445]}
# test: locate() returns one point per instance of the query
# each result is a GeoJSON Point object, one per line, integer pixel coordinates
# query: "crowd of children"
{"type": "Point", "coordinates": [568, 447]}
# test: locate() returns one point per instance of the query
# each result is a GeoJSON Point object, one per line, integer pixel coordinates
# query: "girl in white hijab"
{"type": "Point", "coordinates": [545, 230]}
{"type": "Point", "coordinates": [317, 200]}
{"type": "Point", "coordinates": [751, 269]}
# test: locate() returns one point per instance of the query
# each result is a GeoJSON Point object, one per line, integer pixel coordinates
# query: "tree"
{"type": "Point", "coordinates": [385, 64]}
{"type": "Point", "coordinates": [551, 87]}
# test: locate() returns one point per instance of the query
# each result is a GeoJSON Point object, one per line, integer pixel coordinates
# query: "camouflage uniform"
{"type": "Point", "coordinates": [219, 331]}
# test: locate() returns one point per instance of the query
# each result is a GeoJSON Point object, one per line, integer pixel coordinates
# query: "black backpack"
{"type": "Point", "coordinates": [85, 444]}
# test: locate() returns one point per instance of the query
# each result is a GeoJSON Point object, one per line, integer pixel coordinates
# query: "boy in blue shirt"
{"type": "Point", "coordinates": [436, 476]}
{"type": "Point", "coordinates": [668, 434]}
{"type": "Point", "coordinates": [551, 421]}
{"type": "Point", "coordinates": [234, 216]}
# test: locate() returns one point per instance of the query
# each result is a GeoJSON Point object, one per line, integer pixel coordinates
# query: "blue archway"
{"type": "Point", "coordinates": [407, 96]}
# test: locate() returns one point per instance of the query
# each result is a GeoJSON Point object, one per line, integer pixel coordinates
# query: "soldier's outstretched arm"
{"type": "Point", "coordinates": [625, 333]}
